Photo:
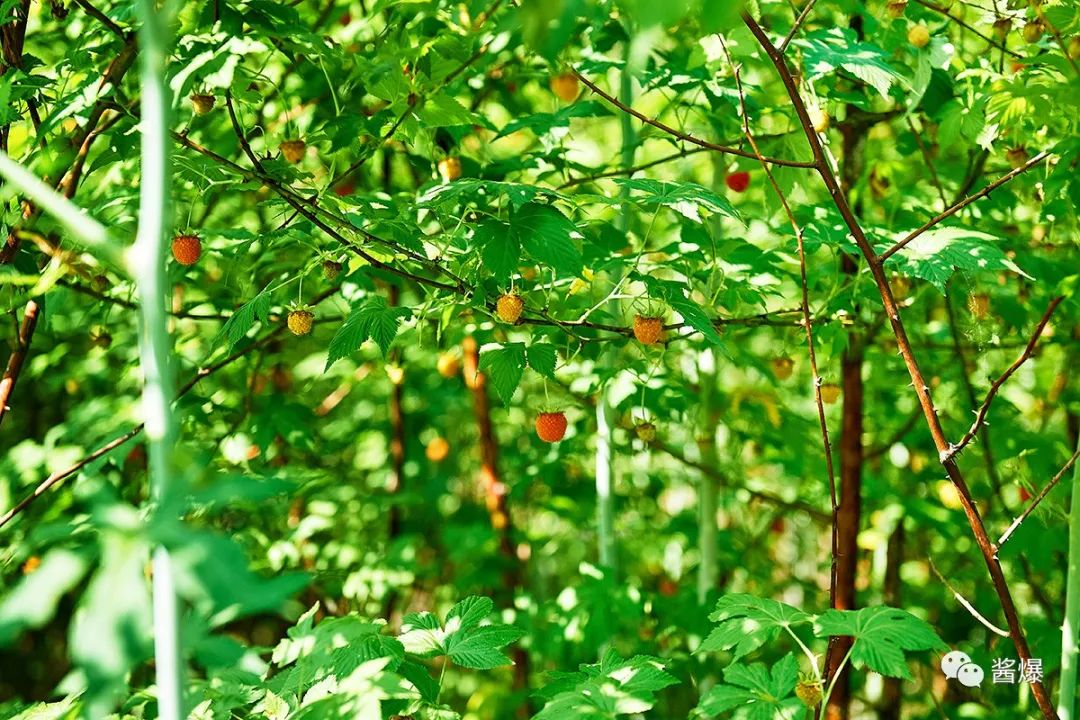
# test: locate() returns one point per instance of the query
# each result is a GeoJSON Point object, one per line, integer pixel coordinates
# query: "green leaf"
{"type": "Point", "coordinates": [747, 622]}
{"type": "Point", "coordinates": [608, 689]}
{"type": "Point", "coordinates": [504, 366]}
{"type": "Point", "coordinates": [479, 648]}
{"type": "Point", "coordinates": [882, 636]}
{"type": "Point", "coordinates": [763, 695]}
{"type": "Point", "coordinates": [542, 358]}
{"type": "Point", "coordinates": [543, 123]}
{"type": "Point", "coordinates": [687, 199]}
{"type": "Point", "coordinates": [824, 51]}
{"type": "Point", "coordinates": [243, 318]}
{"type": "Point", "coordinates": [372, 319]}
{"type": "Point", "coordinates": [500, 249]}
{"type": "Point", "coordinates": [936, 254]}
{"type": "Point", "coordinates": [469, 613]}
{"type": "Point", "coordinates": [546, 235]}
{"type": "Point", "coordinates": [33, 601]}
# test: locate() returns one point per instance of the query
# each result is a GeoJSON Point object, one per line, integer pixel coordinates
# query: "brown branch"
{"type": "Point", "coordinates": [980, 415]}
{"type": "Point", "coordinates": [101, 18]}
{"type": "Point", "coordinates": [686, 137]}
{"type": "Point", "coordinates": [18, 355]}
{"type": "Point", "coordinates": [1038, 499]}
{"type": "Point", "coordinates": [922, 389]}
{"type": "Point", "coordinates": [957, 207]}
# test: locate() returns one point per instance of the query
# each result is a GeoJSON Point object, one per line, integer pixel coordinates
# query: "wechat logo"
{"type": "Point", "coordinates": [957, 665]}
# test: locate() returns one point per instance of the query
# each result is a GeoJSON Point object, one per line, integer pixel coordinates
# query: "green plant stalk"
{"type": "Point", "coordinates": [605, 504]}
{"type": "Point", "coordinates": [708, 490]}
{"type": "Point", "coordinates": [147, 258]}
{"type": "Point", "coordinates": [1070, 629]}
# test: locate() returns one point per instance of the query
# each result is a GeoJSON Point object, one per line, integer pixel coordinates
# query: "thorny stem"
{"type": "Point", "coordinates": [922, 388]}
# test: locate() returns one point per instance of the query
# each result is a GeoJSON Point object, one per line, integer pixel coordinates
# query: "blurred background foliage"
{"type": "Point", "coordinates": [350, 477]}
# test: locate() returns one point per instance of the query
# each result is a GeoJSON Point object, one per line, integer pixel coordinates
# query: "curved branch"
{"type": "Point", "coordinates": [686, 137]}
{"type": "Point", "coordinates": [957, 207]}
{"type": "Point", "coordinates": [980, 415]}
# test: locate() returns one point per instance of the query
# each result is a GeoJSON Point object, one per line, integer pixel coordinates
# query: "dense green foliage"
{"type": "Point", "coordinates": [365, 527]}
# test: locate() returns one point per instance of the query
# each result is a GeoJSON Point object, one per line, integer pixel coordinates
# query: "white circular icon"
{"type": "Point", "coordinates": [952, 662]}
{"type": "Point", "coordinates": [970, 675]}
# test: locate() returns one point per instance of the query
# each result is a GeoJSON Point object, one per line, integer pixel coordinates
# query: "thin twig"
{"type": "Point", "coordinates": [1038, 499]}
{"type": "Point", "coordinates": [807, 320]}
{"type": "Point", "coordinates": [18, 355]}
{"type": "Point", "coordinates": [967, 605]}
{"type": "Point", "coordinates": [980, 415]}
{"type": "Point", "coordinates": [795, 28]}
{"type": "Point", "coordinates": [957, 207]}
{"type": "Point", "coordinates": [682, 135]}
{"type": "Point", "coordinates": [51, 481]}
{"type": "Point", "coordinates": [944, 11]}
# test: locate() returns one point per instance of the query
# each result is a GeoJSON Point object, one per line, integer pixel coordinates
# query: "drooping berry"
{"type": "Point", "coordinates": [819, 119]}
{"type": "Point", "coordinates": [187, 249]}
{"type": "Point", "coordinates": [738, 181]}
{"type": "Point", "coordinates": [448, 365]}
{"type": "Point", "coordinates": [919, 35]}
{"type": "Point", "coordinates": [508, 307]}
{"type": "Point", "coordinates": [896, 8]}
{"type": "Point", "coordinates": [293, 150]}
{"type": "Point", "coordinates": [830, 393]}
{"type": "Point", "coordinates": [1017, 156]}
{"type": "Point", "coordinates": [809, 692]}
{"type": "Point", "coordinates": [783, 367]}
{"type": "Point", "coordinates": [648, 329]}
{"type": "Point", "coordinates": [565, 86]}
{"type": "Point", "coordinates": [201, 104]}
{"type": "Point", "coordinates": [551, 426]}
{"type": "Point", "coordinates": [300, 321]}
{"type": "Point", "coordinates": [331, 269]}
{"type": "Point", "coordinates": [1033, 31]}
{"type": "Point", "coordinates": [450, 169]}
{"type": "Point", "coordinates": [646, 432]}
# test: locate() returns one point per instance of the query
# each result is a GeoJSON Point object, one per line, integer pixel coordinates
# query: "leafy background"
{"type": "Point", "coordinates": [350, 546]}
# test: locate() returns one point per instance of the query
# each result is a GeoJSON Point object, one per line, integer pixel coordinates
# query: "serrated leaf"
{"type": "Point", "coordinates": [609, 689]}
{"type": "Point", "coordinates": [882, 636]}
{"type": "Point", "coordinates": [504, 366]}
{"type": "Point", "coordinates": [543, 123]}
{"type": "Point", "coordinates": [760, 693]}
{"type": "Point", "coordinates": [500, 249]}
{"type": "Point", "coordinates": [546, 235]}
{"type": "Point", "coordinates": [422, 634]}
{"type": "Point", "coordinates": [687, 199]}
{"type": "Point", "coordinates": [825, 51]}
{"type": "Point", "coordinates": [936, 254]}
{"type": "Point", "coordinates": [468, 613]}
{"type": "Point", "coordinates": [242, 320]}
{"type": "Point", "coordinates": [542, 358]}
{"type": "Point", "coordinates": [374, 320]}
{"type": "Point", "coordinates": [747, 622]}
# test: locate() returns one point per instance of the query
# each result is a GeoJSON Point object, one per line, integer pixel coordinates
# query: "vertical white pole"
{"type": "Point", "coordinates": [1070, 629]}
{"type": "Point", "coordinates": [147, 259]}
